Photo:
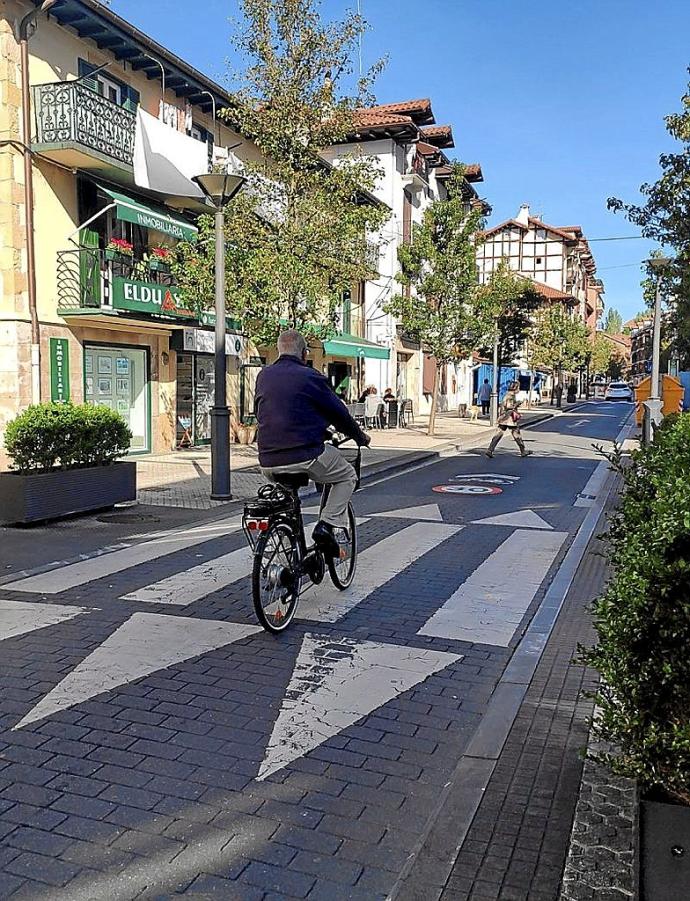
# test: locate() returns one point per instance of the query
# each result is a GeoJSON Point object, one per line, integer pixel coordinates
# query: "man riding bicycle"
{"type": "Point", "coordinates": [294, 407]}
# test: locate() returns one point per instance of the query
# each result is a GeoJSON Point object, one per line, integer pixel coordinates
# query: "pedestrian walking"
{"type": "Point", "coordinates": [484, 397]}
{"type": "Point", "coordinates": [509, 420]}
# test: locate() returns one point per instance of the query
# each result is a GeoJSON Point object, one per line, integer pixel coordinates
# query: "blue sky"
{"type": "Point", "coordinates": [561, 103]}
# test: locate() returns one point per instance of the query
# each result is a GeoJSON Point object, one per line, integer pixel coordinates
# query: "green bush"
{"type": "Point", "coordinates": [643, 619]}
{"type": "Point", "coordinates": [65, 436]}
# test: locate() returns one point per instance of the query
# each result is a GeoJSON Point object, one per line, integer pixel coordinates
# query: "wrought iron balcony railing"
{"type": "Point", "coordinates": [85, 275]}
{"type": "Point", "coordinates": [70, 113]}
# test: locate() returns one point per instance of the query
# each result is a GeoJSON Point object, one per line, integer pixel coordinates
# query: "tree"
{"type": "Point", "coordinates": [513, 301]}
{"type": "Point", "coordinates": [613, 323]}
{"type": "Point", "coordinates": [297, 234]}
{"type": "Point", "coordinates": [663, 217]}
{"type": "Point", "coordinates": [601, 355]}
{"type": "Point", "coordinates": [559, 342]}
{"type": "Point", "coordinates": [443, 307]}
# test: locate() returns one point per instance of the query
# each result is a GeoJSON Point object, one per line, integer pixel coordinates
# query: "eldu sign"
{"type": "Point", "coordinates": [147, 297]}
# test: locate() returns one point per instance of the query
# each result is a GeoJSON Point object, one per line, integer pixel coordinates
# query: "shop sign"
{"type": "Point", "coordinates": [148, 297]}
{"type": "Point", "coordinates": [196, 340]}
{"type": "Point", "coordinates": [59, 370]}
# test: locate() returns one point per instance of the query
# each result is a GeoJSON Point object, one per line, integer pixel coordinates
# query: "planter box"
{"type": "Point", "coordinates": [33, 497]}
{"type": "Point", "coordinates": [664, 851]}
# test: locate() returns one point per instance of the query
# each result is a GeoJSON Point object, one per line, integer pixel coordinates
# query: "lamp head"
{"type": "Point", "coordinates": [219, 187]}
{"type": "Point", "coordinates": [658, 264]}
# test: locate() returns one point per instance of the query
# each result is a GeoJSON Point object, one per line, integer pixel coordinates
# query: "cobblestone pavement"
{"type": "Point", "coordinates": [155, 741]}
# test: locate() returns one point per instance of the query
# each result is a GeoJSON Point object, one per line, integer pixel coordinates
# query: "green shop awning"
{"type": "Point", "coordinates": [149, 216]}
{"type": "Point", "coordinates": [352, 346]}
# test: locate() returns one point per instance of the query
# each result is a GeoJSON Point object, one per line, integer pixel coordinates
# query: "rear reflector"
{"type": "Point", "coordinates": [257, 525]}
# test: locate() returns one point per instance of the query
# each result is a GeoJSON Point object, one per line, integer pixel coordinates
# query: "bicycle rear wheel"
{"type": "Point", "coordinates": [342, 568]}
{"type": "Point", "coordinates": [275, 577]}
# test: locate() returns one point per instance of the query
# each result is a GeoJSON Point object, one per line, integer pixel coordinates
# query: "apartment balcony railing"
{"type": "Point", "coordinates": [72, 116]}
{"type": "Point", "coordinates": [88, 278]}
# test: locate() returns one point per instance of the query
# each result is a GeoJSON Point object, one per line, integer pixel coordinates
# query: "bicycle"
{"type": "Point", "coordinates": [274, 528]}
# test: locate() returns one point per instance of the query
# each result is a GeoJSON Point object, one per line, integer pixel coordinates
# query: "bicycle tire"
{"type": "Point", "coordinates": [342, 577]}
{"type": "Point", "coordinates": [284, 534]}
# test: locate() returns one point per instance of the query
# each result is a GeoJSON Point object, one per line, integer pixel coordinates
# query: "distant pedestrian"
{"type": "Point", "coordinates": [484, 397]}
{"type": "Point", "coordinates": [509, 420]}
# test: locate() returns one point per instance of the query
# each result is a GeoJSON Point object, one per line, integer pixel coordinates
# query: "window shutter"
{"type": "Point", "coordinates": [85, 69]}
{"type": "Point", "coordinates": [130, 98]}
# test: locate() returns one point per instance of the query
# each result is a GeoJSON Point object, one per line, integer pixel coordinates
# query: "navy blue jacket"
{"type": "Point", "coordinates": [294, 406]}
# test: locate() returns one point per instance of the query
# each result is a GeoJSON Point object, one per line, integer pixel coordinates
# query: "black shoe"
{"type": "Point", "coordinates": [325, 540]}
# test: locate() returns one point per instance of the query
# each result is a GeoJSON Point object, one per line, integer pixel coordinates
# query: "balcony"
{"type": "Point", "coordinates": [97, 282]}
{"type": "Point", "coordinates": [79, 128]}
{"type": "Point", "coordinates": [417, 176]}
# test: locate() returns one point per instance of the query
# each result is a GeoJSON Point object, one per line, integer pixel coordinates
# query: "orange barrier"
{"type": "Point", "coordinates": [672, 393]}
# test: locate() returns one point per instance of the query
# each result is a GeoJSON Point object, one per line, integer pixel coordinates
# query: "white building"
{"type": "Point", "coordinates": [409, 148]}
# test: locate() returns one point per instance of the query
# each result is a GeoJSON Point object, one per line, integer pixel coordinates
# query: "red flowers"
{"type": "Point", "coordinates": [121, 246]}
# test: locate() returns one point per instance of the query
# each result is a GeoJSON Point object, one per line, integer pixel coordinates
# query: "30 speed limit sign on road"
{"type": "Point", "coordinates": [467, 489]}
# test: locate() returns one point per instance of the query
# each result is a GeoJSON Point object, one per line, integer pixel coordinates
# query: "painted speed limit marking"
{"type": "Point", "coordinates": [467, 489]}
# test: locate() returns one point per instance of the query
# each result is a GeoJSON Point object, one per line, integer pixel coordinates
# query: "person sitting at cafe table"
{"type": "Point", "coordinates": [388, 395]}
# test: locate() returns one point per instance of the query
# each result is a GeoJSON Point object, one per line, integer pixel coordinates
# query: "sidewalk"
{"type": "Point", "coordinates": [183, 478]}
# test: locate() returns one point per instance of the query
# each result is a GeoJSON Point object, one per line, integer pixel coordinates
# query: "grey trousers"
{"type": "Point", "coordinates": [331, 468]}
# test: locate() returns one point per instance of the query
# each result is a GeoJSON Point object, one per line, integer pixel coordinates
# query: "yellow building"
{"type": "Point", "coordinates": [110, 324]}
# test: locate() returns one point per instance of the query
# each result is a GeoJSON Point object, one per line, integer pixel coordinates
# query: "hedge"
{"type": "Point", "coordinates": [65, 436]}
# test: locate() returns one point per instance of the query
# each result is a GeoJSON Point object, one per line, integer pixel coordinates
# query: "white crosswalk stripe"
{"type": "Point", "coordinates": [375, 566]}
{"type": "Point", "coordinates": [488, 607]}
{"type": "Point", "coordinates": [189, 585]}
{"type": "Point", "coordinates": [74, 574]}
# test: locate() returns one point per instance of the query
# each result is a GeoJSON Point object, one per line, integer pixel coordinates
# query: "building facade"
{"type": "Point", "coordinates": [112, 326]}
{"type": "Point", "coordinates": [409, 148]}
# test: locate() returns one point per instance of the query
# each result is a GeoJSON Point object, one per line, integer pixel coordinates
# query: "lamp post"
{"type": "Point", "coordinates": [493, 419]}
{"type": "Point", "coordinates": [653, 407]}
{"type": "Point", "coordinates": [220, 188]}
{"type": "Point", "coordinates": [24, 30]}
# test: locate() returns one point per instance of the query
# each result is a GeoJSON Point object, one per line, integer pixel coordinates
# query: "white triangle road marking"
{"type": "Point", "coordinates": [20, 617]}
{"type": "Point", "coordinates": [489, 605]}
{"type": "Point", "coordinates": [522, 519]}
{"type": "Point", "coordinates": [375, 566]}
{"type": "Point", "coordinates": [146, 642]}
{"type": "Point", "coordinates": [336, 683]}
{"type": "Point", "coordinates": [429, 512]}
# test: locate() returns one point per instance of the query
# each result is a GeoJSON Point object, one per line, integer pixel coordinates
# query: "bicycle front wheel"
{"type": "Point", "coordinates": [275, 577]}
{"type": "Point", "coordinates": [342, 568]}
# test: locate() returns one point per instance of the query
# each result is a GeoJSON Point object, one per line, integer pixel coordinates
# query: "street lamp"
{"type": "Point", "coordinates": [653, 406]}
{"type": "Point", "coordinates": [25, 29]}
{"type": "Point", "coordinates": [220, 188]}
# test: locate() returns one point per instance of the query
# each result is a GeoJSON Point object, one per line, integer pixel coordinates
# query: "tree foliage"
{"type": "Point", "coordinates": [559, 341]}
{"type": "Point", "coordinates": [442, 306]}
{"type": "Point", "coordinates": [613, 324]}
{"type": "Point", "coordinates": [513, 301]}
{"type": "Point", "coordinates": [601, 355]}
{"type": "Point", "coordinates": [663, 217]}
{"type": "Point", "coordinates": [297, 234]}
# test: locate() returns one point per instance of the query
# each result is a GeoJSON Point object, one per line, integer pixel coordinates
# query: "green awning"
{"type": "Point", "coordinates": [352, 346]}
{"type": "Point", "coordinates": [149, 216]}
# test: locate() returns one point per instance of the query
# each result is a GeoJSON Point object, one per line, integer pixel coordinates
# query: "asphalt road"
{"type": "Point", "coordinates": [154, 741]}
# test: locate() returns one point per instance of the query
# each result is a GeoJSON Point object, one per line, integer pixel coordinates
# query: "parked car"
{"type": "Point", "coordinates": [619, 391]}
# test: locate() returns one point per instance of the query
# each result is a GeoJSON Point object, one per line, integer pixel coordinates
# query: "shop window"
{"type": "Point", "coordinates": [117, 377]}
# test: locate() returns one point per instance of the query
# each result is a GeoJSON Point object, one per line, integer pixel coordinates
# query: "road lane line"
{"type": "Point", "coordinates": [375, 566]}
{"type": "Point", "coordinates": [488, 607]}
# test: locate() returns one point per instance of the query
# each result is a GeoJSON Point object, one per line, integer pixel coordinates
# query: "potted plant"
{"type": "Point", "coordinates": [159, 259]}
{"type": "Point", "coordinates": [643, 653]}
{"type": "Point", "coordinates": [65, 460]}
{"type": "Point", "coordinates": [116, 248]}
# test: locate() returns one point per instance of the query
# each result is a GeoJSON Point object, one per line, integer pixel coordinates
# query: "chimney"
{"type": "Point", "coordinates": [523, 216]}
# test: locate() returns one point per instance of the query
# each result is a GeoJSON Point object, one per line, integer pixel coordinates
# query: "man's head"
{"type": "Point", "coordinates": [292, 344]}
{"type": "Point", "coordinates": [486, 381]}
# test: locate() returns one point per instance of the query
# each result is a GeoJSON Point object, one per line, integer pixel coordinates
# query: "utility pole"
{"type": "Point", "coordinates": [494, 380]}
{"type": "Point", "coordinates": [653, 407]}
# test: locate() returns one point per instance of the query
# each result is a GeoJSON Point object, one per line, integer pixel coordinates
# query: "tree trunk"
{"type": "Point", "coordinates": [434, 402]}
